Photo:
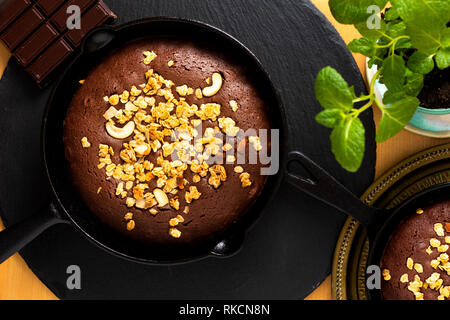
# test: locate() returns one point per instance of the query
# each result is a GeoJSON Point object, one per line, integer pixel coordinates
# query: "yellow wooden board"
{"type": "Point", "coordinates": [18, 282]}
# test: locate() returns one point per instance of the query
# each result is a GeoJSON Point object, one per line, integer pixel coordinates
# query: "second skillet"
{"type": "Point", "coordinates": [379, 223]}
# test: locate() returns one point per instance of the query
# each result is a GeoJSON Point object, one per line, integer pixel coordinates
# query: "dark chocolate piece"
{"type": "Point", "coordinates": [52, 57]}
{"type": "Point", "coordinates": [96, 16]}
{"type": "Point", "coordinates": [49, 6]}
{"type": "Point", "coordinates": [60, 17]}
{"type": "Point", "coordinates": [21, 28]}
{"type": "Point", "coordinates": [10, 10]}
{"type": "Point", "coordinates": [36, 31]}
{"type": "Point", "coordinates": [35, 44]}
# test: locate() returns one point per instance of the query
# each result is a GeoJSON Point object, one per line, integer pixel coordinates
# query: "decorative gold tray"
{"type": "Point", "coordinates": [419, 172]}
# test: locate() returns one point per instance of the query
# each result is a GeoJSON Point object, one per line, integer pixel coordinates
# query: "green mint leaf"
{"type": "Point", "coordinates": [391, 14]}
{"type": "Point", "coordinates": [330, 118]}
{"type": "Point", "coordinates": [414, 84]}
{"type": "Point", "coordinates": [348, 143]}
{"type": "Point", "coordinates": [353, 11]}
{"type": "Point", "coordinates": [332, 91]}
{"type": "Point", "coordinates": [403, 44]}
{"type": "Point", "coordinates": [443, 58]}
{"type": "Point", "coordinates": [426, 41]}
{"type": "Point", "coordinates": [421, 63]}
{"type": "Point", "coordinates": [445, 37]}
{"type": "Point", "coordinates": [393, 96]}
{"type": "Point", "coordinates": [394, 72]}
{"type": "Point", "coordinates": [425, 20]}
{"type": "Point", "coordinates": [396, 117]}
{"type": "Point", "coordinates": [429, 14]}
{"type": "Point", "coordinates": [395, 30]}
{"type": "Point", "coordinates": [375, 33]}
{"type": "Point", "coordinates": [378, 57]}
{"type": "Point", "coordinates": [364, 46]}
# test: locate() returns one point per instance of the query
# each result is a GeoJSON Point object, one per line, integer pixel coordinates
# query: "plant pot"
{"type": "Point", "coordinates": [426, 122]}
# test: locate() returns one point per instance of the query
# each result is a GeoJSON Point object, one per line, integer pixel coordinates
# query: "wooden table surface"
{"type": "Point", "coordinates": [18, 282]}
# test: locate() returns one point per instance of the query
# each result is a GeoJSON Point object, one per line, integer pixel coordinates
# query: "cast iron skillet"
{"type": "Point", "coordinates": [67, 207]}
{"type": "Point", "coordinates": [379, 223]}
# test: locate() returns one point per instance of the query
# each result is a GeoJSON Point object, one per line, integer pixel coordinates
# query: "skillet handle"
{"type": "Point", "coordinates": [98, 39]}
{"type": "Point", "coordinates": [229, 246]}
{"type": "Point", "coordinates": [19, 235]}
{"type": "Point", "coordinates": [322, 186]}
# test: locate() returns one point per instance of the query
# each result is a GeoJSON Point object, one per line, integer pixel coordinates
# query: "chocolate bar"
{"type": "Point", "coordinates": [36, 31]}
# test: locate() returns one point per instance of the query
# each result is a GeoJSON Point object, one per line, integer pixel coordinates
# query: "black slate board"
{"type": "Point", "coordinates": [287, 254]}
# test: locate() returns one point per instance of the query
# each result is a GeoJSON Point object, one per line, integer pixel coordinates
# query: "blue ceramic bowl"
{"type": "Point", "coordinates": [427, 122]}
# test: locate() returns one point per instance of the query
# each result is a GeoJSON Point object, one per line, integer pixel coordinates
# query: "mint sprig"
{"type": "Point", "coordinates": [411, 40]}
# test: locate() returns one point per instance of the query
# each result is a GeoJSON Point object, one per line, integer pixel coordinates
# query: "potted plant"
{"type": "Point", "coordinates": [408, 50]}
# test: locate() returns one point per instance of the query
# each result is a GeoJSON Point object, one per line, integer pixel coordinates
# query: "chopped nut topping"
{"type": "Point", "coordinates": [110, 113]}
{"type": "Point", "coordinates": [419, 211]}
{"type": "Point", "coordinates": [114, 99]}
{"type": "Point", "coordinates": [149, 57]}
{"type": "Point", "coordinates": [231, 159]}
{"type": "Point", "coordinates": [443, 258]}
{"type": "Point", "coordinates": [429, 250]}
{"type": "Point", "coordinates": [404, 278]}
{"type": "Point", "coordinates": [256, 143]}
{"type": "Point", "coordinates": [435, 243]}
{"type": "Point", "coordinates": [151, 114]}
{"type": "Point", "coordinates": [175, 233]}
{"type": "Point", "coordinates": [439, 229]}
{"type": "Point", "coordinates": [85, 143]}
{"type": "Point", "coordinates": [419, 295]}
{"type": "Point", "coordinates": [234, 105]}
{"type": "Point", "coordinates": [198, 93]}
{"type": "Point", "coordinates": [447, 227]}
{"type": "Point", "coordinates": [173, 222]}
{"type": "Point", "coordinates": [128, 216]}
{"type": "Point", "coordinates": [130, 202]}
{"type": "Point", "coordinates": [238, 169]}
{"type": "Point", "coordinates": [418, 267]}
{"type": "Point", "coordinates": [81, 81]}
{"type": "Point", "coordinates": [193, 194]}
{"type": "Point", "coordinates": [161, 197]}
{"type": "Point", "coordinates": [434, 263]}
{"type": "Point", "coordinates": [409, 263]}
{"type": "Point", "coordinates": [175, 203]}
{"type": "Point", "coordinates": [99, 190]}
{"type": "Point", "coordinates": [245, 180]}
{"type": "Point", "coordinates": [386, 274]}
{"type": "Point", "coordinates": [182, 90]}
{"type": "Point", "coordinates": [131, 225]}
{"type": "Point", "coordinates": [196, 178]}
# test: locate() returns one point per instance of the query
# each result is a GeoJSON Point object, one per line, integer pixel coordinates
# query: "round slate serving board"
{"type": "Point", "coordinates": [415, 174]}
{"type": "Point", "coordinates": [287, 254]}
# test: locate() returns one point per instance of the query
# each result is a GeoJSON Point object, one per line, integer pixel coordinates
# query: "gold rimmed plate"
{"type": "Point", "coordinates": [413, 175]}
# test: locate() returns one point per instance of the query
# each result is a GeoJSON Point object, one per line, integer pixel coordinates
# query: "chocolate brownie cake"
{"type": "Point", "coordinates": [144, 133]}
{"type": "Point", "coordinates": [416, 263]}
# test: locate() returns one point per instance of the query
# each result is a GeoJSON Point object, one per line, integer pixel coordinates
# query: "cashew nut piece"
{"type": "Point", "coordinates": [120, 133]}
{"type": "Point", "coordinates": [217, 82]}
{"type": "Point", "coordinates": [161, 197]}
